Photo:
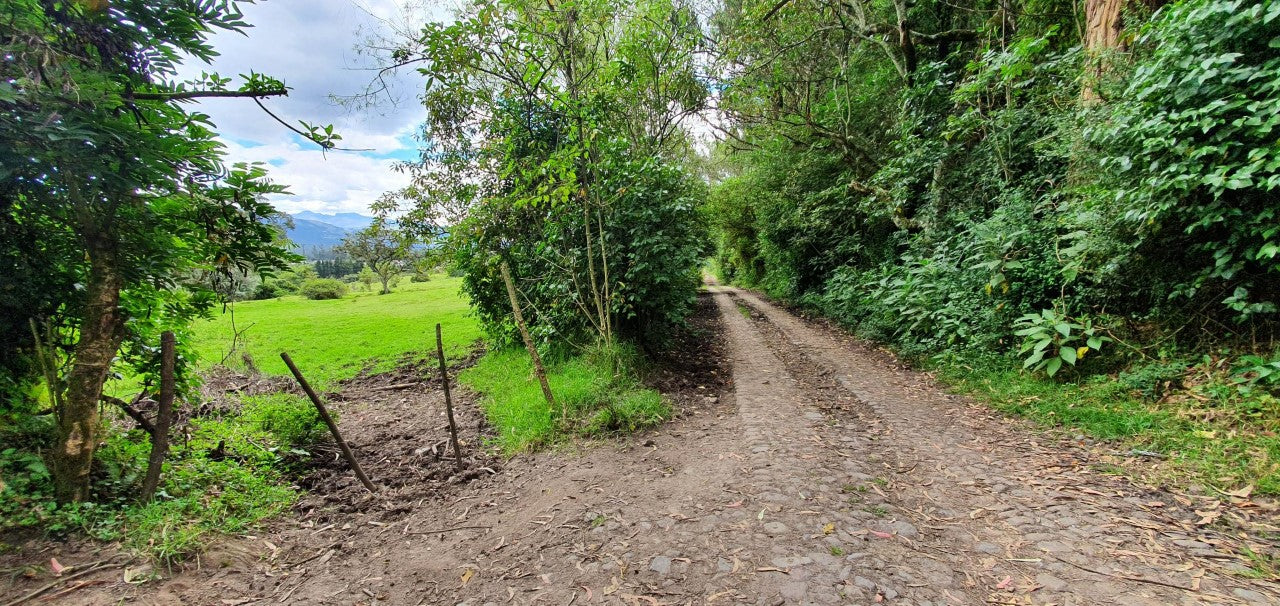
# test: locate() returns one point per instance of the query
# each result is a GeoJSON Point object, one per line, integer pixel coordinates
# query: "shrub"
{"type": "Point", "coordinates": [291, 420]}
{"type": "Point", "coordinates": [323, 288]}
{"type": "Point", "coordinates": [1155, 379]}
{"type": "Point", "coordinates": [269, 290]}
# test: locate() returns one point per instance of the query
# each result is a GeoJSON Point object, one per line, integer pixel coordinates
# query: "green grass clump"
{"type": "Point", "coordinates": [596, 393]}
{"type": "Point", "coordinates": [1213, 432]}
{"type": "Point", "coordinates": [335, 339]}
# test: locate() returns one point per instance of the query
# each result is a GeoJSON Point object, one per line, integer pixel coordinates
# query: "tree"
{"type": "Point", "coordinates": [367, 277]}
{"type": "Point", "coordinates": [554, 131]}
{"type": "Point", "coordinates": [127, 191]}
{"type": "Point", "coordinates": [382, 248]}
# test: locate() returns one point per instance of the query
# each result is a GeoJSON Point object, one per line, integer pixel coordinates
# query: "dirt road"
{"type": "Point", "coordinates": [818, 472]}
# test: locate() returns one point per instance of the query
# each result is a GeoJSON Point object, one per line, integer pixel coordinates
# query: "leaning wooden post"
{"type": "Point", "coordinates": [528, 340]}
{"type": "Point", "coordinates": [164, 416]}
{"type": "Point", "coordinates": [448, 399]}
{"type": "Point", "coordinates": [333, 427]}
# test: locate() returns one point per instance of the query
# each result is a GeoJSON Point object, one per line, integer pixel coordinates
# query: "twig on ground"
{"type": "Point", "coordinates": [1123, 576]}
{"type": "Point", "coordinates": [396, 386]}
{"type": "Point", "coordinates": [444, 530]}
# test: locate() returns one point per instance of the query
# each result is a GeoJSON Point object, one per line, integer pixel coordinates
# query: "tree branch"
{"type": "Point", "coordinates": [304, 135]}
{"type": "Point", "coordinates": [773, 11]}
{"type": "Point", "coordinates": [133, 413]}
{"type": "Point", "coordinates": [200, 94]}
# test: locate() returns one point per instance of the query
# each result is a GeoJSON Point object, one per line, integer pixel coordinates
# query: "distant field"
{"type": "Point", "coordinates": [334, 340]}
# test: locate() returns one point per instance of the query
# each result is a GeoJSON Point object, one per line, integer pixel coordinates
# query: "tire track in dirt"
{"type": "Point", "coordinates": [1042, 525]}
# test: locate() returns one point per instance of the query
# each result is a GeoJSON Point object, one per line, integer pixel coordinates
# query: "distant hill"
{"type": "Point", "coordinates": [348, 221]}
{"type": "Point", "coordinates": [311, 237]}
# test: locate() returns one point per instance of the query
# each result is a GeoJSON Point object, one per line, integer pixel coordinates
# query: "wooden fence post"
{"type": "Point", "coordinates": [448, 399]}
{"type": "Point", "coordinates": [333, 427]}
{"type": "Point", "coordinates": [164, 416]}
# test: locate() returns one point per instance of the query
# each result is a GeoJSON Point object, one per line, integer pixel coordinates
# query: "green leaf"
{"type": "Point", "coordinates": [1068, 354]}
{"type": "Point", "coordinates": [1095, 342]}
{"type": "Point", "coordinates": [1053, 366]}
{"type": "Point", "coordinates": [1063, 328]}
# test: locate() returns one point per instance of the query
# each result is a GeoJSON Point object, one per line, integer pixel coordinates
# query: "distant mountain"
{"type": "Point", "coordinates": [308, 235]}
{"type": "Point", "coordinates": [350, 221]}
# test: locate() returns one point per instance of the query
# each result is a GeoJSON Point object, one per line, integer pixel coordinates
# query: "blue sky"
{"type": "Point", "coordinates": [314, 46]}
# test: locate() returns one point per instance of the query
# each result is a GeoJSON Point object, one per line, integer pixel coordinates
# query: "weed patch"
{"type": "Point", "coordinates": [1215, 431]}
{"type": "Point", "coordinates": [597, 393]}
{"type": "Point", "coordinates": [224, 479]}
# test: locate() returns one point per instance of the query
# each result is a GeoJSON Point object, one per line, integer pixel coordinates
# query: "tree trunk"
{"type": "Point", "coordinates": [100, 334]}
{"type": "Point", "coordinates": [1103, 25]}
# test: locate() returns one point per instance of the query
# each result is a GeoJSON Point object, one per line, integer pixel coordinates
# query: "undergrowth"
{"type": "Point", "coordinates": [223, 477]}
{"type": "Point", "coordinates": [1215, 429]}
{"type": "Point", "coordinates": [597, 393]}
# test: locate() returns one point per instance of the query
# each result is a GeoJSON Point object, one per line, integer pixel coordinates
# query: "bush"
{"type": "Point", "coordinates": [323, 288]}
{"type": "Point", "coordinates": [291, 420]}
{"type": "Point", "coordinates": [270, 290]}
{"type": "Point", "coordinates": [1155, 379]}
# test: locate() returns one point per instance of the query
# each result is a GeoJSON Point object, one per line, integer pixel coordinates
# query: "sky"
{"type": "Point", "coordinates": [313, 46]}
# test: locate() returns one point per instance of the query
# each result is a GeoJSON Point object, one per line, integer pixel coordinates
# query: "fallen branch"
{"type": "Point", "coordinates": [1123, 576]}
{"type": "Point", "coordinates": [132, 412]}
{"type": "Point", "coordinates": [323, 550]}
{"type": "Point", "coordinates": [96, 566]}
{"type": "Point", "coordinates": [396, 386]}
{"type": "Point", "coordinates": [444, 530]}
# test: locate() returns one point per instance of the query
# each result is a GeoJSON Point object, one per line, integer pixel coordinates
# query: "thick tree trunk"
{"type": "Point", "coordinates": [100, 334]}
{"type": "Point", "coordinates": [1102, 24]}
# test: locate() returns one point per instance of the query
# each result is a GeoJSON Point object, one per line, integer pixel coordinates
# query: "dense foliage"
{"type": "Point", "coordinates": [118, 213]}
{"type": "Point", "coordinates": [553, 144]}
{"type": "Point", "coordinates": [939, 188]}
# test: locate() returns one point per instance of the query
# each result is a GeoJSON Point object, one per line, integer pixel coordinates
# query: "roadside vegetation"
{"type": "Point", "coordinates": [1069, 209]}
{"type": "Point", "coordinates": [597, 394]}
{"type": "Point", "coordinates": [559, 163]}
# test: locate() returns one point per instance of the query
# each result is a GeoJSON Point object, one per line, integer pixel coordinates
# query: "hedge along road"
{"type": "Point", "coordinates": [826, 475]}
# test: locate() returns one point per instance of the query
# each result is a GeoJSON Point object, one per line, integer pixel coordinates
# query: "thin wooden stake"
{"type": "Point", "coordinates": [448, 399]}
{"type": "Point", "coordinates": [333, 427]}
{"type": "Point", "coordinates": [164, 416]}
{"type": "Point", "coordinates": [528, 340]}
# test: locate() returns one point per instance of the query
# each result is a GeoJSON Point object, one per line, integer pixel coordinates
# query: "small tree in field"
{"type": "Point", "coordinates": [382, 248]}
{"type": "Point", "coordinates": [367, 277]}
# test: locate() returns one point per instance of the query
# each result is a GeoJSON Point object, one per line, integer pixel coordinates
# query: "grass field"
{"type": "Point", "coordinates": [336, 339]}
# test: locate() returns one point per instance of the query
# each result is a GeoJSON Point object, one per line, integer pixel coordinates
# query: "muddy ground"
{"type": "Point", "coordinates": [803, 467]}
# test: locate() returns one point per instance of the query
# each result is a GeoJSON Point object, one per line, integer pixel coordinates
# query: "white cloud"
{"type": "Point", "coordinates": [313, 46]}
{"type": "Point", "coordinates": [320, 181]}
